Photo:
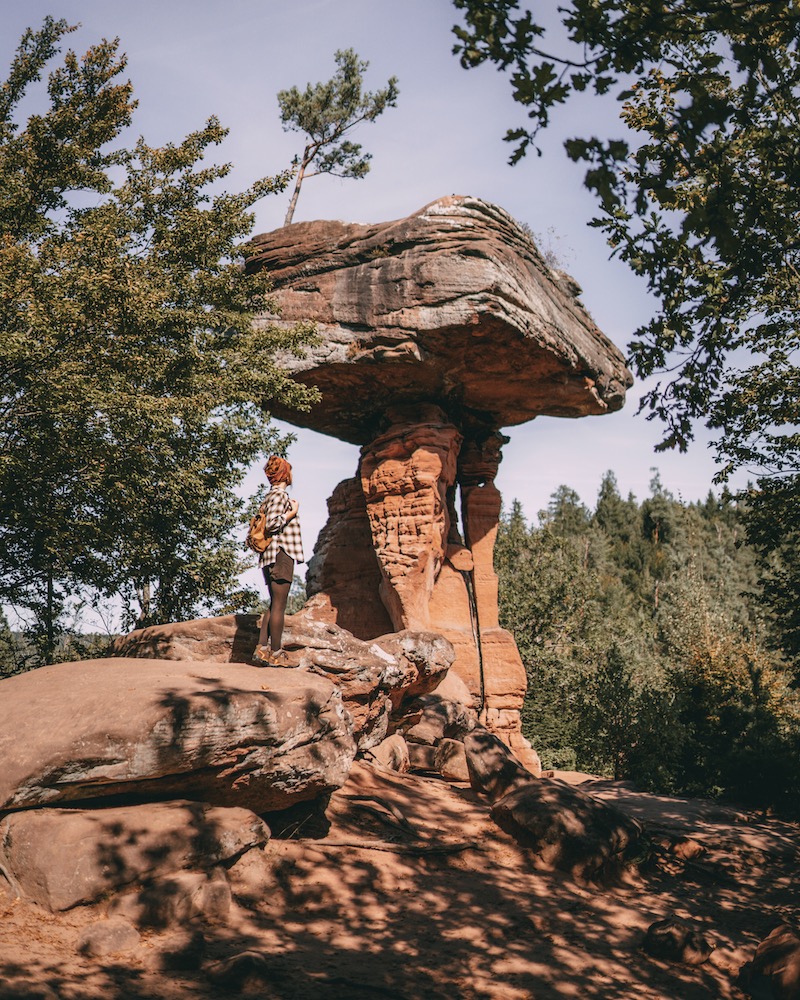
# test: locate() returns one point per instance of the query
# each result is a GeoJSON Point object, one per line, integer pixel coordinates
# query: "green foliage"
{"type": "Point", "coordinates": [772, 520]}
{"type": "Point", "coordinates": [133, 380]}
{"type": "Point", "coordinates": [731, 698]}
{"type": "Point", "coordinates": [12, 659]}
{"type": "Point", "coordinates": [326, 113]}
{"type": "Point", "coordinates": [646, 645]}
{"type": "Point", "coordinates": [698, 194]}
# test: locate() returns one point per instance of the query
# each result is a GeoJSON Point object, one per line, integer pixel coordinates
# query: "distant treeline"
{"type": "Point", "coordinates": [650, 650]}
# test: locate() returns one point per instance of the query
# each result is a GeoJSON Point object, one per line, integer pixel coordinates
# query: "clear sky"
{"type": "Point", "coordinates": [189, 59]}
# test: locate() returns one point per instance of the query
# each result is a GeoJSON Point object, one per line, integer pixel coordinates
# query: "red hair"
{"type": "Point", "coordinates": [278, 470]}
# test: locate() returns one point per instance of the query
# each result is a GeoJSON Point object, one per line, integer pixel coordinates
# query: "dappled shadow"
{"type": "Point", "coordinates": [413, 892]}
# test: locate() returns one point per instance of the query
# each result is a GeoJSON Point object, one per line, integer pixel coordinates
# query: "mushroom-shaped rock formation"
{"type": "Point", "coordinates": [436, 331]}
{"type": "Point", "coordinates": [453, 304]}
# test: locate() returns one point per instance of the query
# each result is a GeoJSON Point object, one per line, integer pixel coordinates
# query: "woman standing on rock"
{"type": "Point", "coordinates": [278, 560]}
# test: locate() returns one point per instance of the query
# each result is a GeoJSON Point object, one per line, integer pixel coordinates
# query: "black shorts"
{"type": "Point", "coordinates": [282, 570]}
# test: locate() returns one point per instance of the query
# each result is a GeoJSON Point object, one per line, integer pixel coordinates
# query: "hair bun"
{"type": "Point", "coordinates": [278, 470]}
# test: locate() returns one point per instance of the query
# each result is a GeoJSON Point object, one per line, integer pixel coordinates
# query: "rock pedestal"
{"type": "Point", "coordinates": [430, 576]}
{"type": "Point", "coordinates": [435, 331]}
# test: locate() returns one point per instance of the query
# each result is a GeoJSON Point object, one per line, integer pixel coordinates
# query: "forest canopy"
{"type": "Point", "coordinates": [649, 656]}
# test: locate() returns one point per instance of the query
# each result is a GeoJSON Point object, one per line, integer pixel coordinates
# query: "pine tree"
{"type": "Point", "coordinates": [328, 112]}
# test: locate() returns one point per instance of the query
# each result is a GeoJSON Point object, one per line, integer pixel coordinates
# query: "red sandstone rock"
{"type": "Point", "coordinates": [392, 753]}
{"type": "Point", "coordinates": [673, 940]}
{"type": "Point", "coordinates": [405, 475]}
{"type": "Point", "coordinates": [451, 760]}
{"type": "Point", "coordinates": [493, 769]}
{"type": "Point", "coordinates": [108, 937]}
{"type": "Point", "coordinates": [373, 677]}
{"type": "Point", "coordinates": [439, 718]}
{"type": "Point", "coordinates": [567, 828]}
{"type": "Point", "coordinates": [453, 302]}
{"type": "Point", "coordinates": [436, 330]}
{"type": "Point", "coordinates": [176, 900]}
{"type": "Point", "coordinates": [425, 577]}
{"type": "Point", "coordinates": [100, 850]}
{"type": "Point", "coordinates": [228, 734]}
{"type": "Point", "coordinates": [344, 577]}
{"type": "Point", "coordinates": [775, 969]}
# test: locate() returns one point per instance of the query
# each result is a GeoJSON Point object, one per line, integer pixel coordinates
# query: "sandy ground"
{"type": "Point", "coordinates": [414, 893]}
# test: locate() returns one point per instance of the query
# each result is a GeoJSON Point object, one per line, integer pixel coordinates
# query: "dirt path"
{"type": "Point", "coordinates": [415, 893]}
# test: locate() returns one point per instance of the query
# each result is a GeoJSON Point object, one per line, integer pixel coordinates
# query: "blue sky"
{"type": "Point", "coordinates": [189, 59]}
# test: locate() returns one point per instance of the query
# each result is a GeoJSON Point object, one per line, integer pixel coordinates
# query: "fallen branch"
{"type": "Point", "coordinates": [386, 845]}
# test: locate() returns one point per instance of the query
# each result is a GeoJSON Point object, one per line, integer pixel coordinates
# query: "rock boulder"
{"type": "Point", "coordinates": [373, 677]}
{"type": "Point", "coordinates": [435, 332]}
{"type": "Point", "coordinates": [100, 850]}
{"type": "Point", "coordinates": [227, 734]}
{"type": "Point", "coordinates": [567, 828]}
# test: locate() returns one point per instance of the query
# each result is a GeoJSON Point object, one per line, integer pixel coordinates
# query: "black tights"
{"type": "Point", "coordinates": [272, 623]}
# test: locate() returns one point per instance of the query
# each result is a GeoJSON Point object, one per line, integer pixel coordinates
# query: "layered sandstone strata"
{"type": "Point", "coordinates": [453, 305]}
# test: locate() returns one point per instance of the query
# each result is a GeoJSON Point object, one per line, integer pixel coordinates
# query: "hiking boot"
{"type": "Point", "coordinates": [279, 658]}
{"type": "Point", "coordinates": [261, 656]}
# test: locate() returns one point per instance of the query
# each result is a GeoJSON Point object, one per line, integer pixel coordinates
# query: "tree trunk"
{"type": "Point", "coordinates": [144, 595]}
{"type": "Point", "coordinates": [297, 184]}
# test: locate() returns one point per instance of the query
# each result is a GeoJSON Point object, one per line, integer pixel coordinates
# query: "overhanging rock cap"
{"type": "Point", "coordinates": [453, 305]}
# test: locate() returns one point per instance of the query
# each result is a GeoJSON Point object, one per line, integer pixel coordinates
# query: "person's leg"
{"type": "Point", "coordinates": [279, 598]}
{"type": "Point", "coordinates": [263, 634]}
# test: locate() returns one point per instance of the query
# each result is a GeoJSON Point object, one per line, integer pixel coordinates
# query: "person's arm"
{"type": "Point", "coordinates": [294, 506]}
{"type": "Point", "coordinates": [275, 514]}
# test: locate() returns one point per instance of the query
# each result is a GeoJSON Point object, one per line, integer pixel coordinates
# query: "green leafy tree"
{"type": "Point", "coordinates": [698, 194]}
{"type": "Point", "coordinates": [12, 659]}
{"type": "Point", "coordinates": [772, 519]}
{"type": "Point", "coordinates": [549, 602]}
{"type": "Point", "coordinates": [645, 646]}
{"type": "Point", "coordinates": [134, 384]}
{"type": "Point", "coordinates": [732, 699]}
{"type": "Point", "coordinates": [327, 113]}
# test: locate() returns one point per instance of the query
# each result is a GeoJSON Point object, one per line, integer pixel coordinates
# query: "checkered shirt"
{"type": "Point", "coordinates": [284, 536]}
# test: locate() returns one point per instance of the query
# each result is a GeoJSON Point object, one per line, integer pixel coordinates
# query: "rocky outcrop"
{"type": "Point", "coordinates": [435, 332]}
{"type": "Point", "coordinates": [114, 847]}
{"type": "Point", "coordinates": [344, 578]}
{"type": "Point", "coordinates": [372, 678]}
{"type": "Point", "coordinates": [453, 304]}
{"type": "Point", "coordinates": [229, 735]}
{"type": "Point", "coordinates": [406, 474]}
{"type": "Point", "coordinates": [420, 569]}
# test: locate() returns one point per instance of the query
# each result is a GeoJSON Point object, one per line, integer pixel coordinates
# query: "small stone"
{"type": "Point", "coordinates": [674, 940]}
{"type": "Point", "coordinates": [108, 937]}
{"type": "Point", "coordinates": [239, 971]}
